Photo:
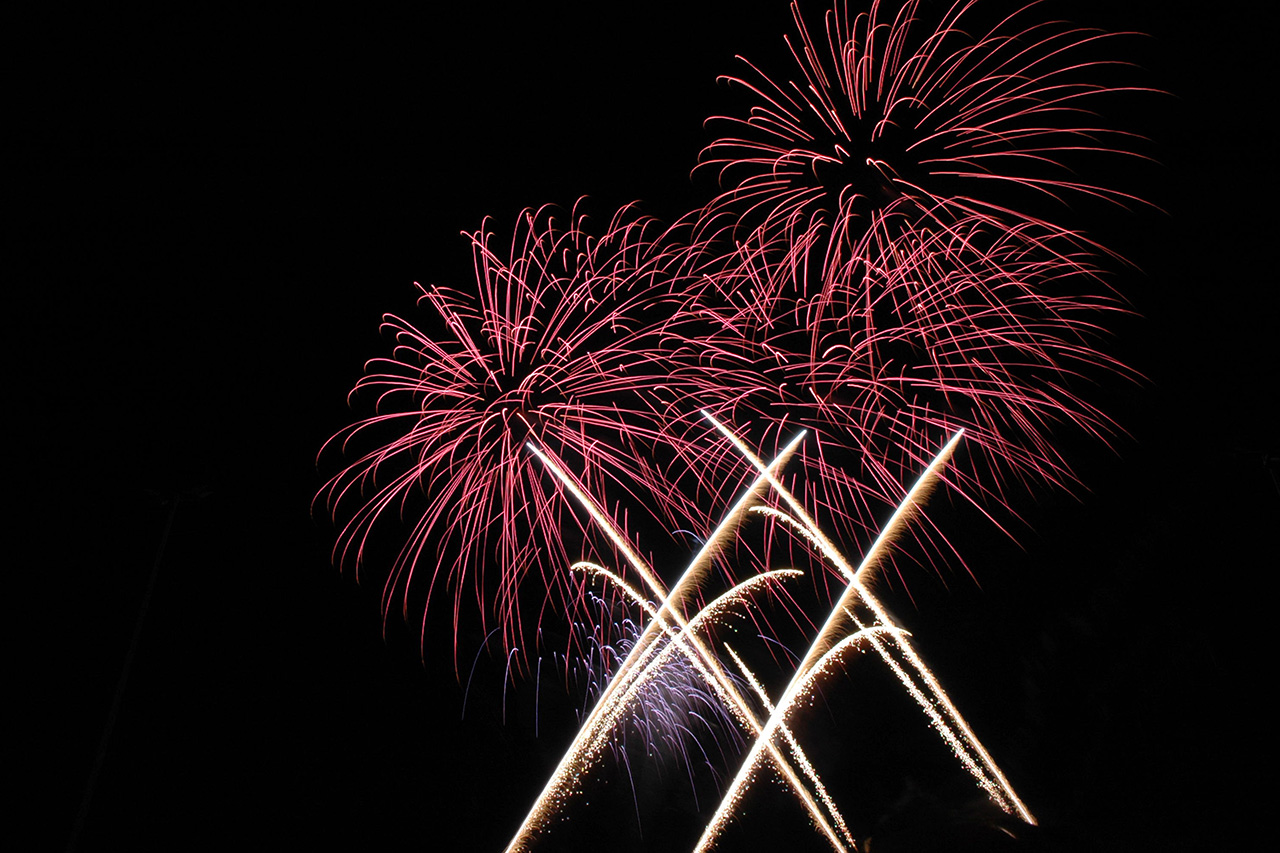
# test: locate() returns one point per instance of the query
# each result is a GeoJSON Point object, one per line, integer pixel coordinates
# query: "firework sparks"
{"type": "Point", "coordinates": [880, 267]}
{"type": "Point", "coordinates": [1005, 796]}
{"type": "Point", "coordinates": [890, 273]}
{"type": "Point", "coordinates": [559, 343]}
{"type": "Point", "coordinates": [834, 630]}
{"type": "Point", "coordinates": [898, 117]}
{"type": "Point", "coordinates": [612, 704]}
{"type": "Point", "coordinates": [649, 656]}
{"type": "Point", "coordinates": [890, 276]}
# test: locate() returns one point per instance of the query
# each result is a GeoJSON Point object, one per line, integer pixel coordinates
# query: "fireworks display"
{"type": "Point", "coordinates": [364, 361]}
{"type": "Point", "coordinates": [872, 272]}
{"type": "Point", "coordinates": [558, 343]}
{"type": "Point", "coordinates": [894, 271]}
{"type": "Point", "coordinates": [881, 268]}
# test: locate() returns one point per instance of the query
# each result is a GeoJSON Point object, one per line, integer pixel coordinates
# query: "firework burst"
{"type": "Point", "coordinates": [898, 117]}
{"type": "Point", "coordinates": [880, 268]}
{"type": "Point", "coordinates": [558, 343]}
{"type": "Point", "coordinates": [889, 275]}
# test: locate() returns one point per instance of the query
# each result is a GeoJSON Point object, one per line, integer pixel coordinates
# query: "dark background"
{"type": "Point", "coordinates": [216, 209]}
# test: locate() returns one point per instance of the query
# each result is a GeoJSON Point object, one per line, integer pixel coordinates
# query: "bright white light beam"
{"type": "Point", "coordinates": [1008, 799]}
{"type": "Point", "coordinates": [828, 637]}
{"type": "Point", "coordinates": [602, 716]}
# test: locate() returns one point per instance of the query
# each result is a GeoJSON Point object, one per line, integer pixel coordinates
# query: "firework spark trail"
{"type": "Point", "coordinates": [820, 646]}
{"type": "Point", "coordinates": [676, 643]}
{"type": "Point", "coordinates": [796, 751]}
{"type": "Point", "coordinates": [899, 518]}
{"type": "Point", "coordinates": [996, 784]}
{"type": "Point", "coordinates": [939, 722]}
{"type": "Point", "coordinates": [829, 635]}
{"type": "Point", "coordinates": [696, 570]}
{"type": "Point", "coordinates": [810, 678]}
{"type": "Point", "coordinates": [737, 594]}
{"type": "Point", "coordinates": [890, 530]}
{"type": "Point", "coordinates": [650, 700]}
{"type": "Point", "coordinates": [607, 709]}
{"type": "Point", "coordinates": [833, 655]}
{"type": "Point", "coordinates": [995, 787]}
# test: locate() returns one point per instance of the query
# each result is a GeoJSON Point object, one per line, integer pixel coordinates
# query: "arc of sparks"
{"type": "Point", "coordinates": [937, 720]}
{"type": "Point", "coordinates": [832, 656]}
{"type": "Point", "coordinates": [989, 776]}
{"type": "Point", "coordinates": [738, 592]}
{"type": "Point", "coordinates": [900, 517]}
{"type": "Point", "coordinates": [831, 630]}
{"type": "Point", "coordinates": [605, 712]}
{"type": "Point", "coordinates": [1009, 801]}
{"type": "Point", "coordinates": [677, 643]}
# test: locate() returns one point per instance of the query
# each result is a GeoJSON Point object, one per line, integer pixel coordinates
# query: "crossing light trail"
{"type": "Point", "coordinates": [834, 630]}
{"type": "Point", "coordinates": [667, 619]}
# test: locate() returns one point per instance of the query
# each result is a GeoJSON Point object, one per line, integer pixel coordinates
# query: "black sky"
{"type": "Point", "coordinates": [217, 208]}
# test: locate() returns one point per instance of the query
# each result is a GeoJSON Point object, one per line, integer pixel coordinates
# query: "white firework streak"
{"type": "Point", "coordinates": [607, 709]}
{"type": "Point", "coordinates": [678, 643]}
{"type": "Point", "coordinates": [833, 628]}
{"type": "Point", "coordinates": [1005, 796]}
{"type": "Point", "coordinates": [936, 719]}
{"type": "Point", "coordinates": [829, 659]}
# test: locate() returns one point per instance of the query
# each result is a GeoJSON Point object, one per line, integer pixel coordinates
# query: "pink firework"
{"type": "Point", "coordinates": [559, 344]}
{"type": "Point", "coordinates": [891, 277]}
{"type": "Point", "coordinates": [899, 120]}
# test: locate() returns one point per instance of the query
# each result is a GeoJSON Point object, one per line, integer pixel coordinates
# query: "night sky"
{"type": "Point", "coordinates": [218, 208]}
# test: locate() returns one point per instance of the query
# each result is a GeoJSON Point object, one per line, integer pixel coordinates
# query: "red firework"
{"type": "Point", "coordinates": [895, 120]}
{"type": "Point", "coordinates": [886, 286]}
{"type": "Point", "coordinates": [558, 345]}
{"type": "Point", "coordinates": [891, 279]}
